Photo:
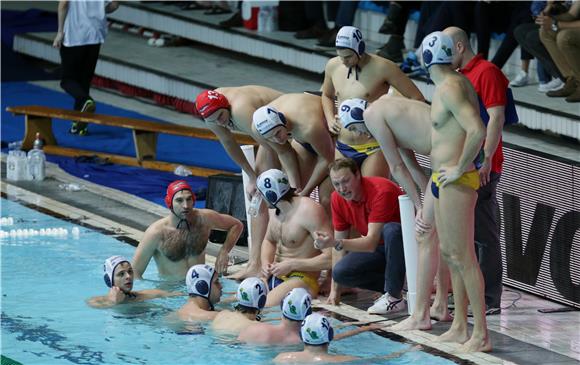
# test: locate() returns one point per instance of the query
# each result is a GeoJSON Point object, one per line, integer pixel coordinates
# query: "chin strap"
{"type": "Point", "coordinates": [357, 69]}
{"type": "Point", "coordinates": [183, 221]}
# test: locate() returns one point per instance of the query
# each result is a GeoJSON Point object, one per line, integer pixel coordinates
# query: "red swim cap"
{"type": "Point", "coordinates": [209, 101]}
{"type": "Point", "coordinates": [174, 188]}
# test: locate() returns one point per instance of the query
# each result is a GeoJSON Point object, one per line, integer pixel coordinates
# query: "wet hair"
{"type": "Point", "coordinates": [244, 309]}
{"type": "Point", "coordinates": [344, 163]}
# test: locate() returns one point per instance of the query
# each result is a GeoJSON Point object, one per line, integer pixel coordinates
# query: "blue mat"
{"type": "Point", "coordinates": [148, 184]}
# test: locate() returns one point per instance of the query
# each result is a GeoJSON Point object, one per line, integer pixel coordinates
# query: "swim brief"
{"type": "Point", "coordinates": [309, 279]}
{"type": "Point", "coordinates": [358, 152]}
{"type": "Point", "coordinates": [469, 179]}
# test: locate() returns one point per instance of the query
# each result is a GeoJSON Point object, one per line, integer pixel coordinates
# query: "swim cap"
{"type": "Point", "coordinates": [109, 268]}
{"type": "Point", "coordinates": [350, 38]}
{"type": "Point", "coordinates": [297, 304]}
{"type": "Point", "coordinates": [198, 280]}
{"type": "Point", "coordinates": [351, 111]}
{"type": "Point", "coordinates": [437, 49]}
{"type": "Point", "coordinates": [252, 293]}
{"type": "Point", "coordinates": [316, 330]}
{"type": "Point", "coordinates": [174, 188]}
{"type": "Point", "coordinates": [273, 184]}
{"type": "Point", "coordinates": [267, 118]}
{"type": "Point", "coordinates": [210, 101]}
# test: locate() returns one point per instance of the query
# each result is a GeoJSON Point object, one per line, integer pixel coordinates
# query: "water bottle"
{"type": "Point", "coordinates": [38, 142]}
{"type": "Point", "coordinates": [11, 166]}
{"type": "Point", "coordinates": [22, 172]}
{"type": "Point", "coordinates": [263, 17]}
{"type": "Point", "coordinates": [37, 164]}
{"type": "Point", "coordinates": [254, 207]}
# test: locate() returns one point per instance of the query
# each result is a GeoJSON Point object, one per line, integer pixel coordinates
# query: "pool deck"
{"type": "Point", "coordinates": [520, 334]}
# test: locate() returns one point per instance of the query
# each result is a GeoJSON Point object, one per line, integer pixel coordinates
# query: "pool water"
{"type": "Point", "coordinates": [45, 320]}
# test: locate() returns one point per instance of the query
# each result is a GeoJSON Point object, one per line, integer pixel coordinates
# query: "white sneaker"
{"type": "Point", "coordinates": [553, 85]}
{"type": "Point", "coordinates": [387, 304]}
{"type": "Point", "coordinates": [520, 80]}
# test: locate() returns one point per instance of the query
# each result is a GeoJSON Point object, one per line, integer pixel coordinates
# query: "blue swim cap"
{"type": "Point", "coordinates": [437, 49]}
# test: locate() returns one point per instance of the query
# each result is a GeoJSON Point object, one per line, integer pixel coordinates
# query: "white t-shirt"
{"type": "Point", "coordinates": [85, 22]}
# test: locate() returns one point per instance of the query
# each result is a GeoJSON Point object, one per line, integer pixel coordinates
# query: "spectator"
{"type": "Point", "coordinates": [560, 34]}
{"type": "Point", "coordinates": [314, 11]}
{"type": "Point", "coordinates": [82, 28]}
{"type": "Point", "coordinates": [344, 17]}
{"type": "Point", "coordinates": [394, 25]}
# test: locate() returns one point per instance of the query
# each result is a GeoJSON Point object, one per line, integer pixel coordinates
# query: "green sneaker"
{"type": "Point", "coordinates": [89, 106]}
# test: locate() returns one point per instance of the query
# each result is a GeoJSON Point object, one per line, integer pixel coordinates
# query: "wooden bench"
{"type": "Point", "coordinates": [38, 119]}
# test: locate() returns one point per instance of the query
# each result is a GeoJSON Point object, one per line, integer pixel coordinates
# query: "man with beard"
{"type": "Point", "coordinates": [178, 241]}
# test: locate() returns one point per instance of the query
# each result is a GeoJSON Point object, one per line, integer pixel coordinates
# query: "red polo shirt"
{"type": "Point", "coordinates": [491, 86]}
{"type": "Point", "coordinates": [379, 204]}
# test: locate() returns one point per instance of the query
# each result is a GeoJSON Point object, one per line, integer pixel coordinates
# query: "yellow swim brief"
{"type": "Point", "coordinates": [309, 279]}
{"type": "Point", "coordinates": [469, 179]}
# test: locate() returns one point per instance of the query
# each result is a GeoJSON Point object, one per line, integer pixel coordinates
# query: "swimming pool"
{"type": "Point", "coordinates": [45, 281]}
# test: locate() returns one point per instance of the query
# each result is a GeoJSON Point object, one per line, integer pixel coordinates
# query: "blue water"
{"type": "Point", "coordinates": [45, 282]}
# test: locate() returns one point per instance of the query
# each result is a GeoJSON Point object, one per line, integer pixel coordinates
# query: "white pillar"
{"type": "Point", "coordinates": [410, 245]}
{"type": "Point", "coordinates": [248, 150]}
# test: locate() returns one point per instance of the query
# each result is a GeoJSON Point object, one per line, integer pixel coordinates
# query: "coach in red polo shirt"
{"type": "Point", "coordinates": [375, 260]}
{"type": "Point", "coordinates": [491, 85]}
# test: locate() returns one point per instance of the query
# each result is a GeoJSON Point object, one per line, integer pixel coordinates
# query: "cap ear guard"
{"type": "Point", "coordinates": [174, 188]}
{"type": "Point", "coordinates": [107, 280]}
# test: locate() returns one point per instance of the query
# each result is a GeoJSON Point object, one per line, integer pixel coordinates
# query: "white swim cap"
{"type": "Point", "coordinates": [437, 49]}
{"type": "Point", "coordinates": [198, 280]}
{"type": "Point", "coordinates": [351, 111]}
{"type": "Point", "coordinates": [267, 118]}
{"type": "Point", "coordinates": [351, 38]}
{"type": "Point", "coordinates": [252, 293]}
{"type": "Point", "coordinates": [297, 304]}
{"type": "Point", "coordinates": [273, 184]}
{"type": "Point", "coordinates": [109, 268]}
{"type": "Point", "coordinates": [316, 330]}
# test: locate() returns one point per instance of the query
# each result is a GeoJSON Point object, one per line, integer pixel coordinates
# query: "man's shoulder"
{"type": "Point", "coordinates": [377, 186]}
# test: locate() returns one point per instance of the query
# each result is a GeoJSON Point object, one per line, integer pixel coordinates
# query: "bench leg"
{"type": "Point", "coordinates": [33, 125]}
{"type": "Point", "coordinates": [145, 145]}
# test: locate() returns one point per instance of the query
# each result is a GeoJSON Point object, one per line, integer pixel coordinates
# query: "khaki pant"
{"type": "Point", "coordinates": [564, 47]}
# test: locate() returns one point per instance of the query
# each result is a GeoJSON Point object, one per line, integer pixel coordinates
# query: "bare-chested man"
{"type": "Point", "coordinates": [251, 296]}
{"type": "Point", "coordinates": [296, 305]}
{"type": "Point", "coordinates": [229, 109]}
{"type": "Point", "coordinates": [289, 259]}
{"type": "Point", "coordinates": [402, 126]}
{"type": "Point", "coordinates": [178, 241]}
{"type": "Point", "coordinates": [119, 277]}
{"type": "Point", "coordinates": [205, 291]}
{"type": "Point", "coordinates": [357, 74]}
{"type": "Point", "coordinates": [456, 139]}
{"type": "Point", "coordinates": [300, 117]}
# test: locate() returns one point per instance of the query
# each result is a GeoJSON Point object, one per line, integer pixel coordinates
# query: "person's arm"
{"type": "Point", "coordinates": [467, 115]}
{"type": "Point", "coordinates": [233, 150]}
{"type": "Point", "coordinates": [158, 293]}
{"type": "Point", "coordinates": [62, 12]}
{"type": "Point", "coordinates": [114, 297]}
{"type": "Point", "coordinates": [267, 254]}
{"type": "Point", "coordinates": [356, 331]}
{"type": "Point", "coordinates": [289, 162]}
{"type": "Point", "coordinates": [327, 99]}
{"type": "Point", "coordinates": [414, 168]}
{"type": "Point", "coordinates": [111, 6]}
{"type": "Point", "coordinates": [145, 250]}
{"type": "Point", "coordinates": [380, 130]}
{"type": "Point", "coordinates": [321, 142]}
{"type": "Point", "coordinates": [492, 138]}
{"type": "Point", "coordinates": [334, 296]}
{"type": "Point", "coordinates": [396, 78]}
{"type": "Point", "coordinates": [233, 226]}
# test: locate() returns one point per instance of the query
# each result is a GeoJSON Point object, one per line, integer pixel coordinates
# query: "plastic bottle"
{"type": "Point", "coordinates": [182, 171]}
{"type": "Point", "coordinates": [22, 172]}
{"type": "Point", "coordinates": [37, 164]}
{"type": "Point", "coordinates": [11, 166]}
{"type": "Point", "coordinates": [263, 16]}
{"type": "Point", "coordinates": [254, 207]}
